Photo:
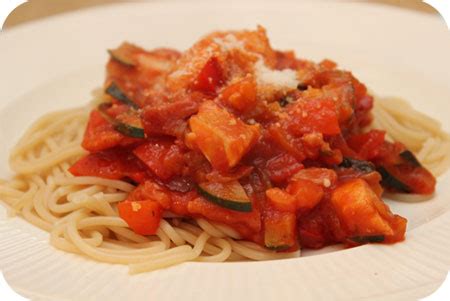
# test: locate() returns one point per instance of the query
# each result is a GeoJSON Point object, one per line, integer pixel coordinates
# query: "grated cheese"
{"type": "Point", "coordinates": [283, 79]}
{"type": "Point", "coordinates": [229, 42]}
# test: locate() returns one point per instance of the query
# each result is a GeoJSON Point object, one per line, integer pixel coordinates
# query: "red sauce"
{"type": "Point", "coordinates": [310, 175]}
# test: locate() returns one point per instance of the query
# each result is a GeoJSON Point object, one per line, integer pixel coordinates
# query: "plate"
{"type": "Point", "coordinates": [56, 62]}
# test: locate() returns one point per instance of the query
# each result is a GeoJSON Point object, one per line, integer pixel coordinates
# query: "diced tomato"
{"type": "Point", "coordinates": [315, 115]}
{"type": "Point", "coordinates": [281, 200]}
{"type": "Point", "coordinates": [150, 190]}
{"type": "Point", "coordinates": [180, 202]}
{"type": "Point", "coordinates": [320, 226]}
{"type": "Point", "coordinates": [222, 138]}
{"type": "Point", "coordinates": [229, 176]}
{"type": "Point", "coordinates": [320, 176]}
{"type": "Point", "coordinates": [202, 207]}
{"type": "Point", "coordinates": [280, 230]}
{"type": "Point", "coordinates": [110, 164]}
{"type": "Point", "coordinates": [328, 64]}
{"type": "Point", "coordinates": [241, 95]}
{"type": "Point", "coordinates": [143, 217]}
{"type": "Point", "coordinates": [286, 142]}
{"type": "Point", "coordinates": [209, 78]}
{"type": "Point", "coordinates": [362, 212]}
{"type": "Point", "coordinates": [163, 157]}
{"type": "Point", "coordinates": [282, 167]}
{"type": "Point", "coordinates": [100, 134]}
{"type": "Point", "coordinates": [367, 145]}
{"type": "Point", "coordinates": [169, 118]}
{"type": "Point", "coordinates": [307, 194]}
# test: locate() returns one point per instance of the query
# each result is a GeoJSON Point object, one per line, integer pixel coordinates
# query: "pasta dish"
{"type": "Point", "coordinates": [228, 151]}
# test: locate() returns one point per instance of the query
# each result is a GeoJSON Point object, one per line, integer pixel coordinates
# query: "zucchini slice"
{"type": "Point", "coordinates": [126, 128]}
{"type": "Point", "coordinates": [367, 239]}
{"type": "Point", "coordinates": [359, 165]}
{"type": "Point", "coordinates": [125, 54]}
{"type": "Point", "coordinates": [114, 91]}
{"type": "Point", "coordinates": [409, 157]}
{"type": "Point", "coordinates": [390, 181]}
{"type": "Point", "coordinates": [120, 57]}
{"type": "Point", "coordinates": [229, 195]}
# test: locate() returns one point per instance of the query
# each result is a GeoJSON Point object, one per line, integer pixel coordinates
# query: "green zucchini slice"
{"type": "Point", "coordinates": [229, 195]}
{"type": "Point", "coordinates": [127, 128]}
{"type": "Point", "coordinates": [409, 157]}
{"type": "Point", "coordinates": [389, 181]}
{"type": "Point", "coordinates": [125, 54]}
{"type": "Point", "coordinates": [367, 239]}
{"type": "Point", "coordinates": [114, 91]}
{"type": "Point", "coordinates": [359, 165]}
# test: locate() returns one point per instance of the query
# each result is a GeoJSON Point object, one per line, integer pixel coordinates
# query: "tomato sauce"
{"type": "Point", "coordinates": [284, 136]}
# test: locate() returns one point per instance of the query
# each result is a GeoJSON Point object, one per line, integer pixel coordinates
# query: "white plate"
{"type": "Point", "coordinates": [55, 63]}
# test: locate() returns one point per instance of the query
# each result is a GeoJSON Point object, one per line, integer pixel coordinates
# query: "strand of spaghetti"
{"type": "Point", "coordinates": [440, 149]}
{"type": "Point", "coordinates": [397, 132]}
{"type": "Point", "coordinates": [80, 195]}
{"type": "Point", "coordinates": [220, 257]}
{"type": "Point", "coordinates": [34, 135]}
{"type": "Point", "coordinates": [16, 183]}
{"type": "Point", "coordinates": [26, 198]}
{"type": "Point", "coordinates": [34, 219]}
{"type": "Point", "coordinates": [47, 161]}
{"type": "Point", "coordinates": [121, 185]}
{"type": "Point", "coordinates": [209, 248]}
{"type": "Point", "coordinates": [65, 207]}
{"type": "Point", "coordinates": [153, 247]}
{"type": "Point", "coordinates": [171, 233]}
{"type": "Point", "coordinates": [126, 246]}
{"type": "Point", "coordinates": [227, 230]}
{"type": "Point", "coordinates": [42, 210]}
{"type": "Point", "coordinates": [163, 260]}
{"type": "Point", "coordinates": [10, 192]}
{"type": "Point", "coordinates": [426, 149]}
{"type": "Point", "coordinates": [200, 243]}
{"type": "Point", "coordinates": [404, 111]}
{"type": "Point", "coordinates": [97, 253]}
{"type": "Point", "coordinates": [113, 197]}
{"type": "Point", "coordinates": [210, 229]}
{"type": "Point", "coordinates": [130, 235]}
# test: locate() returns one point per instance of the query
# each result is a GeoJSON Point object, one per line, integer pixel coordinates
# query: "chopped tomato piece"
{"type": "Point", "coordinates": [143, 216]}
{"type": "Point", "coordinates": [164, 158]}
{"type": "Point", "coordinates": [315, 115]}
{"type": "Point", "coordinates": [367, 145]}
{"type": "Point", "coordinates": [362, 212]}
{"type": "Point", "coordinates": [320, 176]}
{"type": "Point", "coordinates": [307, 194]}
{"type": "Point", "coordinates": [150, 190]}
{"type": "Point", "coordinates": [282, 167]}
{"type": "Point", "coordinates": [168, 118]}
{"type": "Point", "coordinates": [210, 77]}
{"type": "Point", "coordinates": [241, 95]}
{"type": "Point", "coordinates": [110, 164]}
{"type": "Point", "coordinates": [320, 226]}
{"type": "Point", "coordinates": [100, 134]}
{"type": "Point", "coordinates": [281, 200]}
{"type": "Point", "coordinates": [222, 138]}
{"type": "Point", "coordinates": [280, 230]}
